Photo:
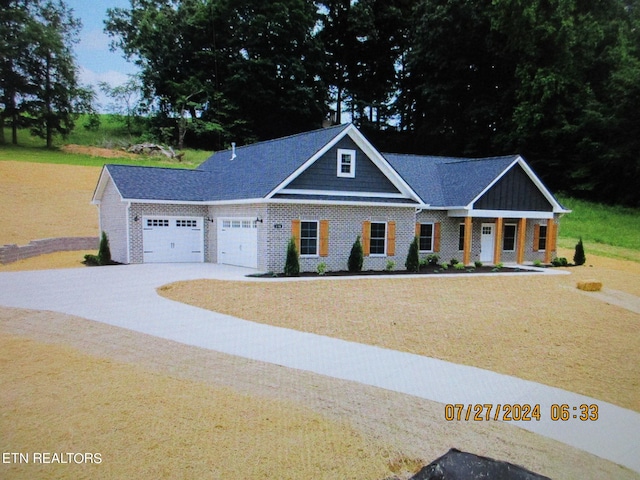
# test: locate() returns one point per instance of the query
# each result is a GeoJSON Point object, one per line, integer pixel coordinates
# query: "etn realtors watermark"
{"type": "Point", "coordinates": [51, 458]}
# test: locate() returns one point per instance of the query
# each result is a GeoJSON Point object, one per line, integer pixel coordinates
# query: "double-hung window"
{"type": "Point", "coordinates": [426, 237]}
{"type": "Point", "coordinates": [378, 241]}
{"type": "Point", "coordinates": [346, 163]}
{"type": "Point", "coordinates": [509, 240]}
{"type": "Point", "coordinates": [542, 238]}
{"type": "Point", "coordinates": [309, 238]}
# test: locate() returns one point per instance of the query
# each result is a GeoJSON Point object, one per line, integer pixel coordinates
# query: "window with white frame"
{"type": "Point", "coordinates": [542, 238]}
{"type": "Point", "coordinates": [346, 163]}
{"type": "Point", "coordinates": [309, 238]}
{"type": "Point", "coordinates": [509, 239]}
{"type": "Point", "coordinates": [461, 233]}
{"type": "Point", "coordinates": [426, 237]}
{"type": "Point", "coordinates": [378, 240]}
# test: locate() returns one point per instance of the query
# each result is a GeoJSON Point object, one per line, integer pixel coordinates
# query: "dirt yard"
{"type": "Point", "coordinates": [157, 409]}
{"type": "Point", "coordinates": [41, 200]}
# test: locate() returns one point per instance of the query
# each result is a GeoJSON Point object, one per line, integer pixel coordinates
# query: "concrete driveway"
{"type": "Point", "coordinates": [125, 296]}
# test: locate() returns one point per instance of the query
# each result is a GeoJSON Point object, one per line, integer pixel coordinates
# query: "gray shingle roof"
{"type": "Point", "coordinates": [448, 181]}
{"type": "Point", "coordinates": [259, 168]}
{"type": "Point", "coordinates": [153, 183]}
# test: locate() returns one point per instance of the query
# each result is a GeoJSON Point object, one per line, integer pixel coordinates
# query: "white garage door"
{"type": "Point", "coordinates": [173, 239]}
{"type": "Point", "coordinates": [238, 242]}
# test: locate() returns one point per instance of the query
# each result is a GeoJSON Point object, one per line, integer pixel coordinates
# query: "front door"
{"type": "Point", "coordinates": [487, 242]}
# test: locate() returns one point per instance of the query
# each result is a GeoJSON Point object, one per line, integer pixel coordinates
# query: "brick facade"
{"type": "Point", "coordinates": [113, 221]}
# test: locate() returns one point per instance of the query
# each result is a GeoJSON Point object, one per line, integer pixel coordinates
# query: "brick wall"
{"type": "Point", "coordinates": [13, 253]}
{"type": "Point", "coordinates": [113, 221]}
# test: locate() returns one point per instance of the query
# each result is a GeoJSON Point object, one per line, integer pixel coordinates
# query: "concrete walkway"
{"type": "Point", "coordinates": [125, 296]}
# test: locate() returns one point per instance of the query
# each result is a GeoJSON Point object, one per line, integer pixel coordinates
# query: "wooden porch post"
{"type": "Point", "coordinates": [468, 231]}
{"type": "Point", "coordinates": [522, 236]}
{"type": "Point", "coordinates": [497, 246]}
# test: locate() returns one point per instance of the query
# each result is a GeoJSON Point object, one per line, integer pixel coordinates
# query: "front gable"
{"type": "Point", "coordinates": [514, 191]}
{"type": "Point", "coordinates": [324, 173]}
{"type": "Point", "coordinates": [364, 173]}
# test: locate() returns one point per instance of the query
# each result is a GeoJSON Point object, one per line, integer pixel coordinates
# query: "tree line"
{"type": "Point", "coordinates": [555, 80]}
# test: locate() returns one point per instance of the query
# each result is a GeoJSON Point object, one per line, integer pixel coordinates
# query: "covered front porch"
{"type": "Point", "coordinates": [507, 237]}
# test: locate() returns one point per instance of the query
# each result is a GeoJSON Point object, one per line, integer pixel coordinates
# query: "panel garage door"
{"type": "Point", "coordinates": [173, 239]}
{"type": "Point", "coordinates": [238, 242]}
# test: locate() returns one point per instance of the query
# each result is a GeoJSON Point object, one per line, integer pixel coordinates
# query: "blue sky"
{"type": "Point", "coordinates": [97, 63]}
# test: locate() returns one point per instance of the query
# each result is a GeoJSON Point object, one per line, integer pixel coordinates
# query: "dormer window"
{"type": "Point", "coordinates": [346, 163]}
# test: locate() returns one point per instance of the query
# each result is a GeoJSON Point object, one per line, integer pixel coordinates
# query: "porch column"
{"type": "Point", "coordinates": [522, 236]}
{"type": "Point", "coordinates": [550, 243]}
{"type": "Point", "coordinates": [468, 233]}
{"type": "Point", "coordinates": [497, 246]}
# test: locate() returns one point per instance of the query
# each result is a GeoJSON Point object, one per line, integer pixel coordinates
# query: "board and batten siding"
{"type": "Point", "coordinates": [322, 174]}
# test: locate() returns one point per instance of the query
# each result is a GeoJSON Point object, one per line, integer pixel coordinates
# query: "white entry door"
{"type": "Point", "coordinates": [238, 242]}
{"type": "Point", "coordinates": [172, 239]}
{"type": "Point", "coordinates": [487, 242]}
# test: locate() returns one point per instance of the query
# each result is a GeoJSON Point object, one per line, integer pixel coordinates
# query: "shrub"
{"type": "Point", "coordinates": [454, 261]}
{"type": "Point", "coordinates": [433, 259]}
{"type": "Point", "coordinates": [91, 260]}
{"type": "Point", "coordinates": [459, 266]}
{"type": "Point", "coordinates": [292, 264]}
{"type": "Point", "coordinates": [413, 258]}
{"type": "Point", "coordinates": [579, 257]}
{"type": "Point", "coordinates": [104, 252]}
{"type": "Point", "coordinates": [537, 263]}
{"type": "Point", "coordinates": [444, 266]}
{"type": "Point", "coordinates": [321, 268]}
{"type": "Point", "coordinates": [356, 257]}
{"type": "Point", "coordinates": [390, 265]}
{"type": "Point", "coordinates": [478, 263]}
{"type": "Point", "coordinates": [559, 262]}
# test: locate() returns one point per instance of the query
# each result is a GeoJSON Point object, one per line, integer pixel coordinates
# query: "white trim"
{"type": "Point", "coordinates": [338, 193]}
{"type": "Point", "coordinates": [557, 208]}
{"type": "Point", "coordinates": [432, 236]}
{"type": "Point", "coordinates": [352, 163]}
{"type": "Point", "coordinates": [500, 214]}
{"type": "Point", "coordinates": [368, 150]}
{"type": "Point", "coordinates": [128, 228]}
{"type": "Point", "coordinates": [386, 236]}
{"type": "Point", "coordinates": [317, 254]}
{"type": "Point", "coordinates": [102, 185]}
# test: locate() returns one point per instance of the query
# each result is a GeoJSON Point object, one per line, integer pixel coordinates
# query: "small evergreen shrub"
{"type": "Point", "coordinates": [579, 257]}
{"type": "Point", "coordinates": [356, 257]}
{"type": "Point", "coordinates": [104, 252]}
{"type": "Point", "coordinates": [459, 266]}
{"type": "Point", "coordinates": [560, 262]}
{"type": "Point", "coordinates": [292, 264]}
{"type": "Point", "coordinates": [91, 260]}
{"type": "Point", "coordinates": [478, 263]}
{"type": "Point", "coordinates": [413, 258]}
{"type": "Point", "coordinates": [444, 266]}
{"type": "Point", "coordinates": [454, 261]}
{"type": "Point", "coordinates": [390, 265]}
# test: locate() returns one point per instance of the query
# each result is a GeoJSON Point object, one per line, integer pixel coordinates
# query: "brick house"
{"type": "Point", "coordinates": [324, 188]}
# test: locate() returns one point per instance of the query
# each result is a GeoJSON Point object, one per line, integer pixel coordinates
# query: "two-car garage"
{"type": "Point", "coordinates": [168, 239]}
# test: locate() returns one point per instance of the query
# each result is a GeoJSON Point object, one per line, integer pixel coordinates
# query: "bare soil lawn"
{"type": "Point", "coordinates": [535, 327]}
{"type": "Point", "coordinates": [158, 409]}
{"type": "Point", "coordinates": [41, 200]}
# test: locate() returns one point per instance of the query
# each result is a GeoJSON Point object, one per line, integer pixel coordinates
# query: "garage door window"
{"type": "Point", "coordinates": [157, 222]}
{"type": "Point", "coordinates": [187, 223]}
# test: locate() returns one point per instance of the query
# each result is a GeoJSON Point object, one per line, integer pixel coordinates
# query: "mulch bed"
{"type": "Point", "coordinates": [428, 270]}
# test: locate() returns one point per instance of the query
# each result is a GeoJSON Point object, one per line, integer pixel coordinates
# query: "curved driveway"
{"type": "Point", "coordinates": [125, 296]}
